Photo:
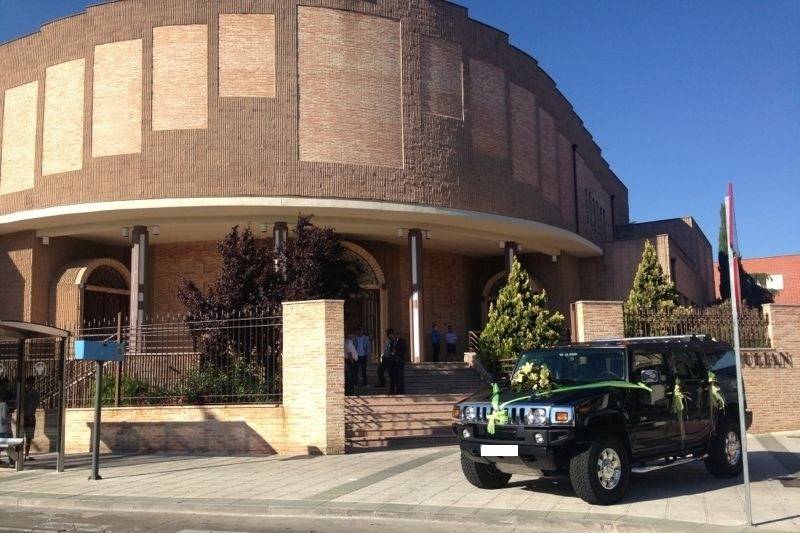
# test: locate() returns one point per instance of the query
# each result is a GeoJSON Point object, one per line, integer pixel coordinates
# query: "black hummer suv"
{"type": "Point", "coordinates": [600, 434]}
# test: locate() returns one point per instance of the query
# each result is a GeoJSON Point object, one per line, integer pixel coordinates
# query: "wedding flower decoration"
{"type": "Point", "coordinates": [717, 400]}
{"type": "Point", "coordinates": [532, 377]}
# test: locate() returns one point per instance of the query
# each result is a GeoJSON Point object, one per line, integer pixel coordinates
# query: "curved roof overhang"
{"type": "Point", "coordinates": [464, 230]}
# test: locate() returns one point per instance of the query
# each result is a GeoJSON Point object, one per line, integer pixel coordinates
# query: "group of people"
{"type": "Point", "coordinates": [358, 347]}
{"type": "Point", "coordinates": [450, 341]}
{"type": "Point", "coordinates": [8, 405]}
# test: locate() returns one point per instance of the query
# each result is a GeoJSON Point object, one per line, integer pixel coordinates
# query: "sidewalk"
{"type": "Point", "coordinates": [420, 484]}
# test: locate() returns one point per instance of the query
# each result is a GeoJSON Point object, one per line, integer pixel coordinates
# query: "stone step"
{"type": "Point", "coordinates": [356, 418]}
{"type": "Point", "coordinates": [362, 444]}
{"type": "Point", "coordinates": [389, 433]}
{"type": "Point", "coordinates": [403, 399]}
{"type": "Point", "coordinates": [365, 427]}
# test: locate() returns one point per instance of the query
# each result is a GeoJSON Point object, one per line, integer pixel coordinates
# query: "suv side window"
{"type": "Point", "coordinates": [686, 365]}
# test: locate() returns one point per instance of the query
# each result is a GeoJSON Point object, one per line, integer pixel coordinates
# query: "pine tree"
{"type": "Point", "coordinates": [651, 292]}
{"type": "Point", "coordinates": [518, 321]}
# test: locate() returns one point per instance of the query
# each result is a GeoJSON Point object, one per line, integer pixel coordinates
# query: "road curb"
{"type": "Point", "coordinates": [518, 519]}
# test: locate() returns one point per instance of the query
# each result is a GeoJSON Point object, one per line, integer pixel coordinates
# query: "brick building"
{"type": "Point", "coordinates": [134, 135]}
{"type": "Point", "coordinates": [779, 274]}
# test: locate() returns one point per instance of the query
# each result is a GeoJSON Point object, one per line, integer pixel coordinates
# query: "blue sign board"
{"type": "Point", "coordinates": [86, 350]}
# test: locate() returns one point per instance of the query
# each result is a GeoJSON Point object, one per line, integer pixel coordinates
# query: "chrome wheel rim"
{"type": "Point", "coordinates": [609, 468]}
{"type": "Point", "coordinates": [733, 448]}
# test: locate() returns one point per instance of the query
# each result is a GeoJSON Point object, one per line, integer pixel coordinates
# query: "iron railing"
{"type": "Point", "coordinates": [229, 360]}
{"type": "Point", "coordinates": [713, 321]}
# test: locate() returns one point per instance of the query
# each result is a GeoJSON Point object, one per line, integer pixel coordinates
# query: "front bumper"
{"type": "Point", "coordinates": [545, 456]}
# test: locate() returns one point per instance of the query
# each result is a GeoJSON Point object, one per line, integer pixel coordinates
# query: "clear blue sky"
{"type": "Point", "coordinates": [682, 96]}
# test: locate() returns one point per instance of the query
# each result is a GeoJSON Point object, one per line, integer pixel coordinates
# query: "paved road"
{"type": "Point", "coordinates": [45, 520]}
{"type": "Point", "coordinates": [419, 484]}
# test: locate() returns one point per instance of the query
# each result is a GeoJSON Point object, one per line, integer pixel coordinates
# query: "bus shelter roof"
{"type": "Point", "coordinates": [28, 330]}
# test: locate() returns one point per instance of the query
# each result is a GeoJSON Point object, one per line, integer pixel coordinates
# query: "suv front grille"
{"type": "Point", "coordinates": [516, 414]}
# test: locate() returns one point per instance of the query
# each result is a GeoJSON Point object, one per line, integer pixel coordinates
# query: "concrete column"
{"type": "Point", "coordinates": [313, 376]}
{"type": "Point", "coordinates": [140, 239]}
{"type": "Point", "coordinates": [416, 328]}
{"type": "Point", "coordinates": [597, 320]}
{"type": "Point", "coordinates": [280, 236]}
{"type": "Point", "coordinates": [510, 251]}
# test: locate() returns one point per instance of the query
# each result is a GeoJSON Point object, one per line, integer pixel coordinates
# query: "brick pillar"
{"type": "Point", "coordinates": [313, 376]}
{"type": "Point", "coordinates": [597, 320]}
{"type": "Point", "coordinates": [784, 326]}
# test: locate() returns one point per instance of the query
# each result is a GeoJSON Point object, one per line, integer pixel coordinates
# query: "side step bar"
{"type": "Point", "coordinates": [652, 468]}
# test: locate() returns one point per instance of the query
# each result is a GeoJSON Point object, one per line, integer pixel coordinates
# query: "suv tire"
{"type": "Point", "coordinates": [482, 475]}
{"type": "Point", "coordinates": [600, 471]}
{"type": "Point", "coordinates": [725, 450]}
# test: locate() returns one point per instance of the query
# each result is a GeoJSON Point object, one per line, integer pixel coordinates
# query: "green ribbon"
{"type": "Point", "coordinates": [679, 399]}
{"type": "Point", "coordinates": [499, 414]}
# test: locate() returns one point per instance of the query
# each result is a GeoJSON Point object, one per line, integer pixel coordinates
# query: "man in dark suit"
{"type": "Point", "coordinates": [397, 369]}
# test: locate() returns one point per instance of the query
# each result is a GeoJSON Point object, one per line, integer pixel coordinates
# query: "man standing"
{"type": "Point", "coordinates": [435, 343]}
{"type": "Point", "coordinates": [364, 348]}
{"type": "Point", "coordinates": [386, 360]}
{"type": "Point", "coordinates": [6, 408]}
{"type": "Point", "coordinates": [350, 365]}
{"type": "Point", "coordinates": [450, 340]}
{"type": "Point", "coordinates": [32, 401]}
{"type": "Point", "coordinates": [397, 369]}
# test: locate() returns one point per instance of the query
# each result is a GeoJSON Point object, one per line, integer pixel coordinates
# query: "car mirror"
{"type": "Point", "coordinates": [650, 376]}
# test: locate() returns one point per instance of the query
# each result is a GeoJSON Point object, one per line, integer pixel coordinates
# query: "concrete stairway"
{"type": "Point", "coordinates": [421, 417]}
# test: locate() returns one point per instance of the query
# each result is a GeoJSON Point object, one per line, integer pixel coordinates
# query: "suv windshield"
{"type": "Point", "coordinates": [579, 365]}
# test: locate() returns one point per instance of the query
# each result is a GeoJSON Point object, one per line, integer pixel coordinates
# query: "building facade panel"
{"type": "Point", "coordinates": [62, 139]}
{"type": "Point", "coordinates": [18, 164]}
{"type": "Point", "coordinates": [487, 96]}
{"type": "Point", "coordinates": [247, 55]}
{"type": "Point", "coordinates": [117, 99]}
{"type": "Point", "coordinates": [524, 136]}
{"type": "Point", "coordinates": [349, 72]}
{"type": "Point", "coordinates": [441, 77]}
{"type": "Point", "coordinates": [548, 142]}
{"type": "Point", "coordinates": [180, 77]}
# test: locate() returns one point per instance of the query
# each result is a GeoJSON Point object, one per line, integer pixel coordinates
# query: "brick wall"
{"type": "Point", "coordinates": [220, 429]}
{"type": "Point", "coordinates": [598, 320]}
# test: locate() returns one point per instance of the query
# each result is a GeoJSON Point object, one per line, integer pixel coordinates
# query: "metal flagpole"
{"type": "Point", "coordinates": [733, 273]}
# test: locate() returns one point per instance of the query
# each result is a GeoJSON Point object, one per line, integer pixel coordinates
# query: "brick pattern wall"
{"type": "Point", "coordinates": [249, 145]}
{"type": "Point", "coordinates": [524, 136]}
{"type": "Point", "coordinates": [313, 376]}
{"type": "Point", "coordinates": [207, 429]}
{"type": "Point", "coordinates": [62, 143]}
{"type": "Point", "coordinates": [247, 55]}
{"type": "Point", "coordinates": [349, 112]}
{"type": "Point", "coordinates": [598, 320]}
{"type": "Point", "coordinates": [441, 77]}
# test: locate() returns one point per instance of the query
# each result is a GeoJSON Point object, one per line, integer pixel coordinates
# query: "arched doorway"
{"type": "Point", "coordinates": [90, 291]}
{"type": "Point", "coordinates": [492, 288]}
{"type": "Point", "coordinates": [368, 307]}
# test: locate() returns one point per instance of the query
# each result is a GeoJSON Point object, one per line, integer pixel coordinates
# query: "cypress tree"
{"type": "Point", "coordinates": [651, 292]}
{"type": "Point", "coordinates": [518, 321]}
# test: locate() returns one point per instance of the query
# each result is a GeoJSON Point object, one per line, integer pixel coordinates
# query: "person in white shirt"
{"type": "Point", "coordinates": [450, 340]}
{"type": "Point", "coordinates": [350, 365]}
{"type": "Point", "coordinates": [364, 349]}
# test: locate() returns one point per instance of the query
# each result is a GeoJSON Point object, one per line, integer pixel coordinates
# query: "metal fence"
{"type": "Point", "coordinates": [172, 362]}
{"type": "Point", "coordinates": [713, 321]}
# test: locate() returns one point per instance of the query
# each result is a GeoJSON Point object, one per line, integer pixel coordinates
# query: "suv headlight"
{"type": "Point", "coordinates": [562, 416]}
{"type": "Point", "coordinates": [470, 413]}
{"type": "Point", "coordinates": [536, 417]}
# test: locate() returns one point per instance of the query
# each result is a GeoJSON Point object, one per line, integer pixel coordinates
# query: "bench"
{"type": "Point", "coordinates": [13, 444]}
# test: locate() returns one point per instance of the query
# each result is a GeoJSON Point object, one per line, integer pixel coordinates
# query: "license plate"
{"type": "Point", "coordinates": [499, 450]}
